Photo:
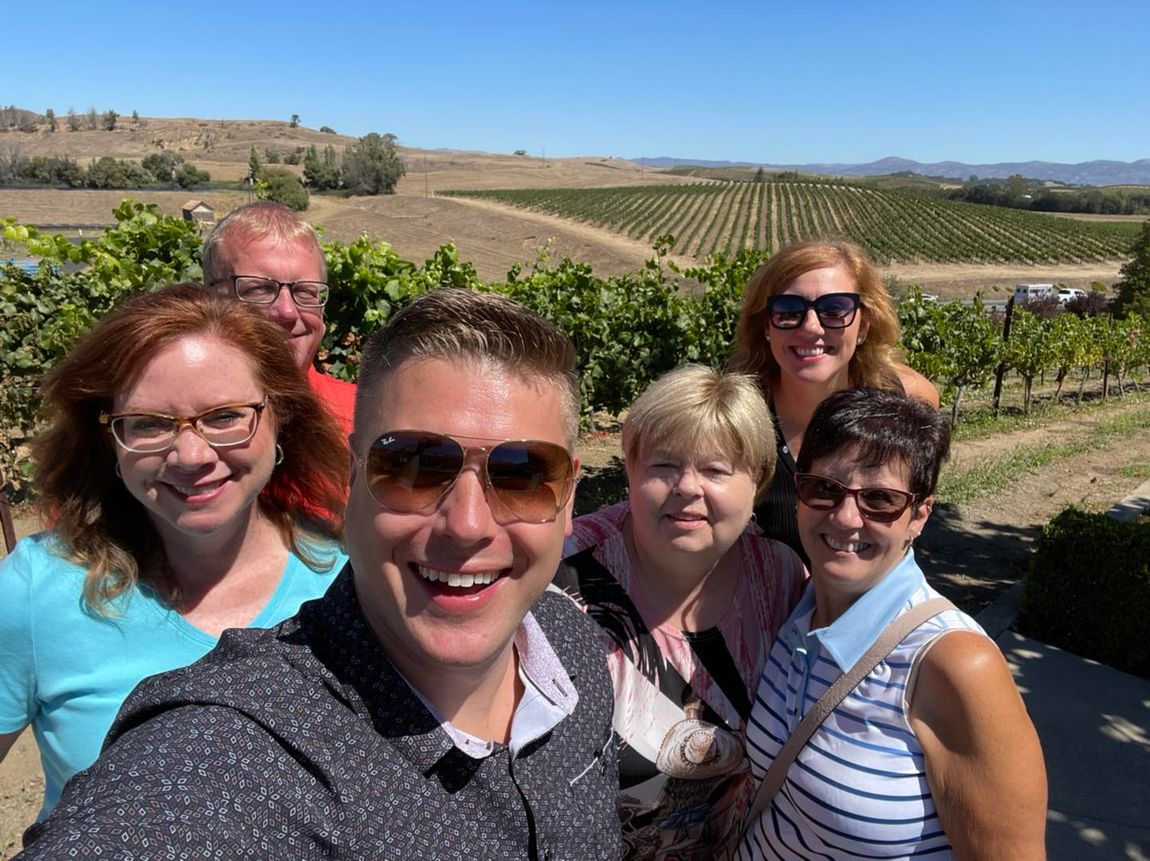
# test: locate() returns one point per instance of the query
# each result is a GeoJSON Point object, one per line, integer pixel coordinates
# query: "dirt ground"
{"type": "Point", "coordinates": [970, 552]}
{"type": "Point", "coordinates": [962, 280]}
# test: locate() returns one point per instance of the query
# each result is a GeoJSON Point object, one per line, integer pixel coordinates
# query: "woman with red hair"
{"type": "Point", "coordinates": [816, 319]}
{"type": "Point", "coordinates": [180, 436]}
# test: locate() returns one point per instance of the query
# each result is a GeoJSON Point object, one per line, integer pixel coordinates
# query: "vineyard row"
{"type": "Point", "coordinates": [726, 217]}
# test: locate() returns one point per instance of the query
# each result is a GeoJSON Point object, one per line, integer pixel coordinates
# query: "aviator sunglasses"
{"type": "Point", "coordinates": [834, 310]}
{"type": "Point", "coordinates": [525, 481]}
{"type": "Point", "coordinates": [880, 504]}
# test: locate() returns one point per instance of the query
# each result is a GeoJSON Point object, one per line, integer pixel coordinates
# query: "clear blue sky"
{"type": "Point", "coordinates": [771, 82]}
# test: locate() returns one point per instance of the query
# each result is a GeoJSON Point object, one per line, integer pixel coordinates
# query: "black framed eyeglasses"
{"type": "Point", "coordinates": [411, 471]}
{"type": "Point", "coordinates": [880, 504]}
{"type": "Point", "coordinates": [259, 290]}
{"type": "Point", "coordinates": [151, 433]}
{"type": "Point", "coordinates": [834, 310]}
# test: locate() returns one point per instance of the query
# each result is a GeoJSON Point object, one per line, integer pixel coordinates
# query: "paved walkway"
{"type": "Point", "coordinates": [1094, 723]}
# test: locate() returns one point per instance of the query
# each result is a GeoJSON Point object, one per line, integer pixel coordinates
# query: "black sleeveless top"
{"type": "Point", "coordinates": [775, 513]}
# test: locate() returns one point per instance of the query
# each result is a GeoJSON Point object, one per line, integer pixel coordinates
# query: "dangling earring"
{"type": "Point", "coordinates": [861, 339]}
{"type": "Point", "coordinates": [279, 454]}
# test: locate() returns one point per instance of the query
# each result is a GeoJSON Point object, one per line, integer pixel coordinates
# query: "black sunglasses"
{"type": "Point", "coordinates": [880, 504]}
{"type": "Point", "coordinates": [411, 471]}
{"type": "Point", "coordinates": [834, 310]}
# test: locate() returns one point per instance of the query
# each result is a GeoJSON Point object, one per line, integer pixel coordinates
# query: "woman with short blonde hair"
{"type": "Point", "coordinates": [689, 595]}
{"type": "Point", "coordinates": [693, 407]}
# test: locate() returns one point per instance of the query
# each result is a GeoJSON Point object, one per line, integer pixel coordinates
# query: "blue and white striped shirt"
{"type": "Point", "coordinates": [858, 788]}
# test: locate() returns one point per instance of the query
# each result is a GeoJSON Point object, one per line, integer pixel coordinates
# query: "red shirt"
{"type": "Point", "coordinates": [337, 395]}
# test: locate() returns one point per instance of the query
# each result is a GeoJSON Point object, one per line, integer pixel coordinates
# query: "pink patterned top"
{"type": "Point", "coordinates": [682, 698]}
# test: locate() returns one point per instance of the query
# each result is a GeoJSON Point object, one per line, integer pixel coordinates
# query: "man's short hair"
{"type": "Point", "coordinates": [264, 219]}
{"type": "Point", "coordinates": [693, 409]}
{"type": "Point", "coordinates": [457, 324]}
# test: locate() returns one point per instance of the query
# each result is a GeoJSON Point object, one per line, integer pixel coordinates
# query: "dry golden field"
{"type": "Point", "coordinates": [415, 221]}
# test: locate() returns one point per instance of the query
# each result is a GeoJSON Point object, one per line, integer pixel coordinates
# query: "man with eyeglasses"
{"type": "Point", "coordinates": [265, 254]}
{"type": "Point", "coordinates": [442, 700]}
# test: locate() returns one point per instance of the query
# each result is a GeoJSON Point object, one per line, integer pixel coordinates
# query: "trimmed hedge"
{"type": "Point", "coordinates": [1088, 589]}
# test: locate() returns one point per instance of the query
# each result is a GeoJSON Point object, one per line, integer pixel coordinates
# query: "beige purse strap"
{"type": "Point", "coordinates": [892, 635]}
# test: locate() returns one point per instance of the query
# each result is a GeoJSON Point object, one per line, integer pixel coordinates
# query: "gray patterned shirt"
{"type": "Point", "coordinates": [304, 742]}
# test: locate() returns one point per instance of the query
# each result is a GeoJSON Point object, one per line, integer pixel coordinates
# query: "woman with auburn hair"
{"type": "Point", "coordinates": [180, 436]}
{"type": "Point", "coordinates": [815, 319]}
{"type": "Point", "coordinates": [689, 594]}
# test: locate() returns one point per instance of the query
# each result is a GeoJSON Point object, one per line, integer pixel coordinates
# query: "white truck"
{"type": "Point", "coordinates": [1024, 293]}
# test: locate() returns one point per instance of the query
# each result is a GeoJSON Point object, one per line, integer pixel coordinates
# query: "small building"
{"type": "Point", "coordinates": [199, 212]}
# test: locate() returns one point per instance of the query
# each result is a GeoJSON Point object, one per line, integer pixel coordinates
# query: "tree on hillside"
{"type": "Point", "coordinates": [281, 185]}
{"type": "Point", "coordinates": [12, 163]}
{"type": "Point", "coordinates": [92, 119]}
{"type": "Point", "coordinates": [189, 176]}
{"type": "Point", "coordinates": [162, 165]}
{"type": "Point", "coordinates": [320, 174]}
{"type": "Point", "coordinates": [1134, 288]}
{"type": "Point", "coordinates": [253, 166]}
{"type": "Point", "coordinates": [294, 124]}
{"type": "Point", "coordinates": [73, 120]}
{"type": "Point", "coordinates": [372, 165]}
{"type": "Point", "coordinates": [135, 118]}
{"type": "Point", "coordinates": [109, 120]}
{"type": "Point", "coordinates": [106, 172]}
{"type": "Point", "coordinates": [50, 170]}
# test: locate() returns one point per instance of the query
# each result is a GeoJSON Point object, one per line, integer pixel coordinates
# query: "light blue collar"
{"type": "Point", "coordinates": [847, 638]}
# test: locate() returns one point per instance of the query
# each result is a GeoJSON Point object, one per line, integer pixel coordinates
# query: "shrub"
{"type": "Point", "coordinates": [372, 165]}
{"type": "Point", "coordinates": [284, 187]}
{"type": "Point", "coordinates": [189, 176]}
{"type": "Point", "coordinates": [1088, 590]}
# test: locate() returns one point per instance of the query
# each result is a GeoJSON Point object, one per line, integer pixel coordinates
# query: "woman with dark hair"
{"type": "Point", "coordinates": [930, 752]}
{"type": "Point", "coordinates": [800, 357]}
{"type": "Point", "coordinates": [180, 437]}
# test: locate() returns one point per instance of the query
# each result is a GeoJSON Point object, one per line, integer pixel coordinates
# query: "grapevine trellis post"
{"type": "Point", "coordinates": [1000, 371]}
{"type": "Point", "coordinates": [6, 524]}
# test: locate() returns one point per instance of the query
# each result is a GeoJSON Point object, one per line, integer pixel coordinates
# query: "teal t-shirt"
{"type": "Point", "coordinates": [66, 670]}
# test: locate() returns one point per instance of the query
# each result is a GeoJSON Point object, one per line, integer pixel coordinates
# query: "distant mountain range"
{"type": "Point", "coordinates": [1085, 173]}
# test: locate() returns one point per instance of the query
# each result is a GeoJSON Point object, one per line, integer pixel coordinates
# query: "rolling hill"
{"type": "Point", "coordinates": [979, 247]}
